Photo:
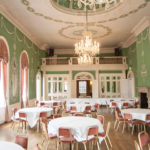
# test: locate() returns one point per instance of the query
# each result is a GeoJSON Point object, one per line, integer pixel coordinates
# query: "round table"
{"type": "Point", "coordinates": [9, 146]}
{"type": "Point", "coordinates": [78, 126]}
{"type": "Point", "coordinates": [137, 113]}
{"type": "Point", "coordinates": [33, 113]}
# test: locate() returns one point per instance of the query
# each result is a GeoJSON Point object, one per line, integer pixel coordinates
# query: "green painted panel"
{"type": "Point", "coordinates": [57, 72]}
{"type": "Point", "coordinates": [143, 57]}
{"type": "Point", "coordinates": [91, 72]}
{"type": "Point", "coordinates": [17, 42]}
{"type": "Point", "coordinates": [131, 57]}
{"type": "Point", "coordinates": [110, 71]}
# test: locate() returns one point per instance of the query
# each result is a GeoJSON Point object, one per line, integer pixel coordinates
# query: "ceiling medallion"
{"type": "Point", "coordinates": [77, 7]}
{"type": "Point", "coordinates": [98, 31]}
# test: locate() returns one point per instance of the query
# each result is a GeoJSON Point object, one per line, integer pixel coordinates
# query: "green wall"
{"type": "Point", "coordinates": [131, 57]}
{"type": "Point", "coordinates": [143, 58]}
{"type": "Point", "coordinates": [138, 57]}
{"type": "Point", "coordinates": [18, 42]}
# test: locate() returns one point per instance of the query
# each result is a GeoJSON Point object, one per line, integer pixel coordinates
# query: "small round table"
{"type": "Point", "coordinates": [33, 114]}
{"type": "Point", "coordinates": [78, 126]}
{"type": "Point", "coordinates": [4, 145]}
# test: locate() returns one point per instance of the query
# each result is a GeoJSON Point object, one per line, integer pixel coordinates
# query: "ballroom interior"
{"type": "Point", "coordinates": [59, 57]}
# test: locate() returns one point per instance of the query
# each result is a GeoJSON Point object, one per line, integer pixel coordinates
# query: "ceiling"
{"type": "Point", "coordinates": [54, 26]}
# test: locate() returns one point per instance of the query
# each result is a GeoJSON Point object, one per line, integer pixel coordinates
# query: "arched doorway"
{"type": "Point", "coordinates": [4, 72]}
{"type": "Point", "coordinates": [84, 82]}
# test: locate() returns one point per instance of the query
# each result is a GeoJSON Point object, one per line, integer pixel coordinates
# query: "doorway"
{"type": "Point", "coordinates": [144, 100]}
{"type": "Point", "coordinates": [84, 88]}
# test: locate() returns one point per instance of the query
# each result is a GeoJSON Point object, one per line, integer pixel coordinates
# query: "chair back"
{"type": "Point", "coordinates": [72, 102]}
{"type": "Point", "coordinates": [43, 115]}
{"type": "Point", "coordinates": [86, 103]}
{"type": "Point", "coordinates": [22, 115]}
{"type": "Point", "coordinates": [55, 104]}
{"type": "Point", "coordinates": [73, 108]}
{"type": "Point", "coordinates": [88, 108]}
{"type": "Point", "coordinates": [125, 104]}
{"type": "Point", "coordinates": [22, 141]}
{"type": "Point", "coordinates": [78, 114]}
{"type": "Point", "coordinates": [144, 139]}
{"type": "Point", "coordinates": [57, 116]}
{"type": "Point", "coordinates": [127, 116]}
{"type": "Point", "coordinates": [36, 102]}
{"type": "Point", "coordinates": [147, 117]}
{"type": "Point", "coordinates": [111, 100]}
{"type": "Point", "coordinates": [92, 131]}
{"type": "Point", "coordinates": [64, 132]}
{"type": "Point", "coordinates": [137, 147]}
{"type": "Point", "coordinates": [37, 147]}
{"type": "Point", "coordinates": [101, 119]}
{"type": "Point", "coordinates": [14, 110]}
{"type": "Point", "coordinates": [42, 104]}
{"type": "Point", "coordinates": [114, 104]}
{"type": "Point", "coordinates": [117, 109]}
{"type": "Point", "coordinates": [96, 105]}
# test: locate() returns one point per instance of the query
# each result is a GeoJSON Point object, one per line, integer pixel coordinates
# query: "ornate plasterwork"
{"type": "Point", "coordinates": [72, 8]}
{"type": "Point", "coordinates": [111, 19]}
{"type": "Point", "coordinates": [99, 31]}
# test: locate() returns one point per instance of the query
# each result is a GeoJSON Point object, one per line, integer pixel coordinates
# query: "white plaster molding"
{"type": "Point", "coordinates": [129, 41]}
{"type": "Point", "coordinates": [5, 13]}
{"type": "Point", "coordinates": [71, 51]}
{"type": "Point", "coordinates": [143, 23]}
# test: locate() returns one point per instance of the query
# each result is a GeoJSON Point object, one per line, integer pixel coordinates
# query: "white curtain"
{"type": "Point", "coordinates": [24, 95]}
{"type": "Point", "coordinates": [2, 98]}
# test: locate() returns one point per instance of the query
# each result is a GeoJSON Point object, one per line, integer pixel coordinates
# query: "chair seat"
{"type": "Point", "coordinates": [101, 134]}
{"type": "Point", "coordinates": [52, 136]}
{"type": "Point", "coordinates": [67, 140]}
{"type": "Point", "coordinates": [90, 140]}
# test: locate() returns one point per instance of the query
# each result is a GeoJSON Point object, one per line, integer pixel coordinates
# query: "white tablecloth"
{"type": "Point", "coordinates": [33, 114]}
{"type": "Point", "coordinates": [120, 103]}
{"type": "Point", "coordinates": [137, 113]}
{"type": "Point", "coordinates": [50, 102]}
{"type": "Point", "coordinates": [80, 107]}
{"type": "Point", "coordinates": [9, 146]}
{"type": "Point", "coordinates": [100, 101]}
{"type": "Point", "coordinates": [78, 126]}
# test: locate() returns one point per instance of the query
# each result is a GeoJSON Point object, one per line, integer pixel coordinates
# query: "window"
{"type": "Point", "coordinates": [110, 85]}
{"type": "Point", "coordinates": [82, 87]}
{"type": "Point", "coordinates": [57, 86]}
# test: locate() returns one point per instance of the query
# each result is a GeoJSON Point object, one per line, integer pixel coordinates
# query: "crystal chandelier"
{"type": "Point", "coordinates": [92, 3]}
{"type": "Point", "coordinates": [86, 48]}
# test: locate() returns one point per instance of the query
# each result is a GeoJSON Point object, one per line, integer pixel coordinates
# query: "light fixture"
{"type": "Point", "coordinates": [86, 48]}
{"type": "Point", "coordinates": [107, 4]}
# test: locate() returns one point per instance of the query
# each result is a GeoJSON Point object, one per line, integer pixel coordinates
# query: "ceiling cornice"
{"type": "Point", "coordinates": [143, 23]}
{"type": "Point", "coordinates": [4, 12]}
{"type": "Point", "coordinates": [129, 41]}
